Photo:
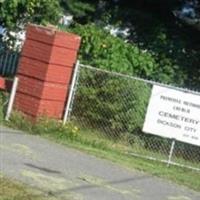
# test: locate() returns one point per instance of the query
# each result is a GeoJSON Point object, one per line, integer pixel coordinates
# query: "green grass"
{"type": "Point", "coordinates": [12, 190]}
{"type": "Point", "coordinates": [90, 142]}
{"type": "Point", "coordinates": [182, 176]}
{"type": "Point", "coordinates": [3, 102]}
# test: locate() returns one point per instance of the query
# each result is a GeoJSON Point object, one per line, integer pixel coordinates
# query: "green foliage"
{"type": "Point", "coordinates": [80, 9]}
{"type": "Point", "coordinates": [14, 13]}
{"type": "Point", "coordinates": [3, 104]}
{"type": "Point", "coordinates": [176, 61]}
{"type": "Point", "coordinates": [102, 50]}
{"type": "Point", "coordinates": [20, 121]}
{"type": "Point", "coordinates": [187, 151]}
{"type": "Point", "coordinates": [164, 60]}
{"type": "Point", "coordinates": [110, 103]}
{"type": "Point", "coordinates": [174, 50]}
{"type": "Point", "coordinates": [42, 126]}
{"type": "Point", "coordinates": [88, 140]}
{"type": "Point", "coordinates": [12, 190]}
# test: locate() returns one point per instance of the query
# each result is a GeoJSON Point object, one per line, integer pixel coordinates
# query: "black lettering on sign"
{"type": "Point", "coordinates": [181, 109]}
{"type": "Point", "coordinates": [195, 137]}
{"type": "Point", "coordinates": [170, 124]}
{"type": "Point", "coordinates": [190, 129]}
{"type": "Point", "coordinates": [179, 117]}
{"type": "Point", "coordinates": [194, 105]}
{"type": "Point", "coordinates": [170, 99]}
{"type": "Point", "coordinates": [186, 135]}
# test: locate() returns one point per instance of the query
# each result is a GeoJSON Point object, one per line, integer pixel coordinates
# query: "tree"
{"type": "Point", "coordinates": [79, 8]}
{"type": "Point", "coordinates": [15, 14]}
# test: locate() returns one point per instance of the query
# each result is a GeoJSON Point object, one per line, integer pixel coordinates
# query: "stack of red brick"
{"type": "Point", "coordinates": [45, 71]}
{"type": "Point", "coordinates": [5, 84]}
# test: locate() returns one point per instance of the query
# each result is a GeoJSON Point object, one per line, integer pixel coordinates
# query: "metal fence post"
{"type": "Point", "coordinates": [71, 93]}
{"type": "Point", "coordinates": [12, 98]}
{"type": "Point", "coordinates": [171, 152]}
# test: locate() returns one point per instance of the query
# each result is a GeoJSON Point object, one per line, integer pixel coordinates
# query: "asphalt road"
{"type": "Point", "coordinates": [73, 175]}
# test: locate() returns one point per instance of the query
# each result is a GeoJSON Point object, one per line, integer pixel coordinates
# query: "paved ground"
{"type": "Point", "coordinates": [70, 174]}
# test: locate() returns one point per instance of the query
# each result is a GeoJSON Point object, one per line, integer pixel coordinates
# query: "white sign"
{"type": "Point", "coordinates": [173, 114]}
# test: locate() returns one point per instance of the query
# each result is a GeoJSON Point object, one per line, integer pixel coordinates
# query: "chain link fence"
{"type": "Point", "coordinates": [4, 96]}
{"type": "Point", "coordinates": [113, 107]}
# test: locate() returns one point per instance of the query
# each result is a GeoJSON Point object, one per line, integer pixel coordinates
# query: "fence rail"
{"type": "Point", "coordinates": [112, 106]}
{"type": "Point", "coordinates": [8, 63]}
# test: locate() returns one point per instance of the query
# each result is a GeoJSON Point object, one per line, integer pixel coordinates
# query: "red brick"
{"type": "Point", "coordinates": [41, 89]}
{"type": "Point", "coordinates": [40, 33]}
{"type": "Point", "coordinates": [64, 74]}
{"type": "Point", "coordinates": [49, 54]}
{"type": "Point", "coordinates": [32, 68]}
{"type": "Point", "coordinates": [34, 52]}
{"type": "Point", "coordinates": [67, 40]}
{"type": "Point", "coordinates": [5, 84]}
{"type": "Point", "coordinates": [37, 107]}
{"type": "Point", "coordinates": [52, 36]}
{"type": "Point", "coordinates": [2, 83]}
{"type": "Point", "coordinates": [38, 45]}
{"type": "Point", "coordinates": [63, 57]}
{"type": "Point", "coordinates": [51, 108]}
{"type": "Point", "coordinates": [45, 72]}
{"type": "Point", "coordinates": [26, 104]}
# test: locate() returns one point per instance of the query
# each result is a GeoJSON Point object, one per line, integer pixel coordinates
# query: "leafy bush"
{"type": "Point", "coordinates": [43, 126]}
{"type": "Point", "coordinates": [187, 151]}
{"type": "Point", "coordinates": [112, 104]}
{"type": "Point", "coordinates": [164, 61]}
{"type": "Point", "coordinates": [15, 13]}
{"type": "Point", "coordinates": [81, 10]}
{"type": "Point", "coordinates": [102, 50]}
{"type": "Point", "coordinates": [3, 103]}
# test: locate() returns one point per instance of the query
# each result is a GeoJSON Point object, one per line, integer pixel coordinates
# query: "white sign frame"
{"type": "Point", "coordinates": [173, 114]}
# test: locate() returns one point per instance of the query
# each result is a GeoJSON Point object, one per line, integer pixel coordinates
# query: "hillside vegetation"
{"type": "Point", "coordinates": [140, 38]}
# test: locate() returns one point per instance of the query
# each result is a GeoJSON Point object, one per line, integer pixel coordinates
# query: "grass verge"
{"type": "Point", "coordinates": [87, 141]}
{"type": "Point", "coordinates": [12, 190]}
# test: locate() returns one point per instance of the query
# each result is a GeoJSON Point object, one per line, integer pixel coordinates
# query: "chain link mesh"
{"type": "Point", "coordinates": [113, 107]}
{"type": "Point", "coordinates": [4, 96]}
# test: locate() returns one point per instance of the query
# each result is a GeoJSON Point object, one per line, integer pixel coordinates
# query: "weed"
{"type": "Point", "coordinates": [92, 142]}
